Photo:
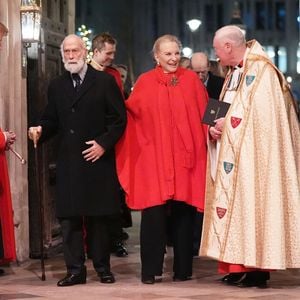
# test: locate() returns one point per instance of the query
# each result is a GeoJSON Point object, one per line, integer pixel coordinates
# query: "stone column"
{"type": "Point", "coordinates": [13, 115]}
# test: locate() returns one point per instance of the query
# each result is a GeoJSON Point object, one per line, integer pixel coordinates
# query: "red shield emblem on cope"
{"type": "Point", "coordinates": [235, 122]}
{"type": "Point", "coordinates": [221, 212]}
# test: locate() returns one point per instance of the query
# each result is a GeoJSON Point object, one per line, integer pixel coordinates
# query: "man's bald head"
{"type": "Point", "coordinates": [200, 64]}
{"type": "Point", "coordinates": [230, 45]}
{"type": "Point", "coordinates": [231, 33]}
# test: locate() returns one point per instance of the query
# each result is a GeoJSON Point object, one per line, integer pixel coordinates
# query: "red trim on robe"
{"type": "Point", "coordinates": [114, 72]}
{"type": "Point", "coordinates": [225, 268]}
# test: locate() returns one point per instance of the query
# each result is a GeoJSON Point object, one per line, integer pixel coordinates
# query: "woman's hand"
{"type": "Point", "coordinates": [10, 138]}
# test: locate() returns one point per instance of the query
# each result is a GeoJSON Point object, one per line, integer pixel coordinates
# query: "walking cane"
{"type": "Point", "coordinates": [41, 207]}
{"type": "Point", "coordinates": [18, 155]}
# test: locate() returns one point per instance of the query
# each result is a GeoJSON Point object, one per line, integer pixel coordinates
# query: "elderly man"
{"type": "Point", "coordinates": [86, 108]}
{"type": "Point", "coordinates": [201, 65]}
{"type": "Point", "coordinates": [251, 222]}
{"type": "Point", "coordinates": [7, 238]}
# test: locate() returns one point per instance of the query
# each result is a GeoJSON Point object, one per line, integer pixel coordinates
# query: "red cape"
{"type": "Point", "coordinates": [114, 72]}
{"type": "Point", "coordinates": [162, 154]}
{"type": "Point", "coordinates": [6, 211]}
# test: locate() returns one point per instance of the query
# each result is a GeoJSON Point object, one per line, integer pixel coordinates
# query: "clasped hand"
{"type": "Point", "coordinates": [10, 138]}
{"type": "Point", "coordinates": [94, 152]}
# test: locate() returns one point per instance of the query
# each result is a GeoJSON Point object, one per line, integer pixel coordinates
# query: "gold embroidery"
{"type": "Point", "coordinates": [234, 81]}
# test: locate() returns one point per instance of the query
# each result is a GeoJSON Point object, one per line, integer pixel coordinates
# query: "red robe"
{"type": "Point", "coordinates": [6, 211]}
{"type": "Point", "coordinates": [114, 72]}
{"type": "Point", "coordinates": [225, 268]}
{"type": "Point", "coordinates": [162, 154]}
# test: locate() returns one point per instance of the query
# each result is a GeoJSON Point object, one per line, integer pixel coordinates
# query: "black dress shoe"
{"type": "Point", "coordinates": [72, 279]}
{"type": "Point", "coordinates": [2, 272]}
{"type": "Point", "coordinates": [246, 283]}
{"type": "Point", "coordinates": [106, 277]}
{"type": "Point", "coordinates": [120, 250]}
{"type": "Point", "coordinates": [255, 279]}
{"type": "Point", "coordinates": [148, 279]}
{"type": "Point", "coordinates": [233, 278]}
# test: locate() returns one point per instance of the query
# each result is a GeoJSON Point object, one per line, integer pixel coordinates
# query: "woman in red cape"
{"type": "Point", "coordinates": [161, 159]}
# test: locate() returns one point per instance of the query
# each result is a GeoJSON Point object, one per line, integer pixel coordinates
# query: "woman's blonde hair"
{"type": "Point", "coordinates": [165, 38]}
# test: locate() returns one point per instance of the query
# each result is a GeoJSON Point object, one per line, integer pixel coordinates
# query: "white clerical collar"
{"type": "Point", "coordinates": [97, 66]}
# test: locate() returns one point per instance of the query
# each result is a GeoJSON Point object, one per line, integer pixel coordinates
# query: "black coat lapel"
{"type": "Point", "coordinates": [68, 85]}
{"type": "Point", "coordinates": [86, 84]}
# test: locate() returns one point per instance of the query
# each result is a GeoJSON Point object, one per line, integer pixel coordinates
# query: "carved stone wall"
{"type": "Point", "coordinates": [13, 115]}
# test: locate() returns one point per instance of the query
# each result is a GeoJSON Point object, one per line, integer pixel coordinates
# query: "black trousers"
{"type": "Point", "coordinates": [116, 230]}
{"type": "Point", "coordinates": [120, 221]}
{"type": "Point", "coordinates": [97, 241]}
{"type": "Point", "coordinates": [198, 223]}
{"type": "Point", "coordinates": [153, 238]}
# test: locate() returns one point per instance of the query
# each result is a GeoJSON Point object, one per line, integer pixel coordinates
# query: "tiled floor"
{"type": "Point", "coordinates": [23, 282]}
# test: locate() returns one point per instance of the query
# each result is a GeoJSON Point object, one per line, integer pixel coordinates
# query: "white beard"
{"type": "Point", "coordinates": [74, 67]}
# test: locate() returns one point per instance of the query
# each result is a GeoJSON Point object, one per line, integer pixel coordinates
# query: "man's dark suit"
{"type": "Point", "coordinates": [214, 85]}
{"type": "Point", "coordinates": [85, 188]}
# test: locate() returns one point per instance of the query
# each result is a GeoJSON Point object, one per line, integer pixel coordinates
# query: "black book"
{"type": "Point", "coordinates": [215, 109]}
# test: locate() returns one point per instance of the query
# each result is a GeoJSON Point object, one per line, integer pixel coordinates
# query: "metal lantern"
{"type": "Point", "coordinates": [31, 11]}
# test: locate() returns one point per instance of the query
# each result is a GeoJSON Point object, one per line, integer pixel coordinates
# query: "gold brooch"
{"type": "Point", "coordinates": [174, 81]}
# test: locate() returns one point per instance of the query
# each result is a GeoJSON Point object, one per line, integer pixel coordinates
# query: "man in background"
{"type": "Point", "coordinates": [104, 47]}
{"type": "Point", "coordinates": [185, 62]}
{"type": "Point", "coordinates": [201, 65]}
{"type": "Point", "coordinates": [104, 50]}
{"type": "Point", "coordinates": [123, 70]}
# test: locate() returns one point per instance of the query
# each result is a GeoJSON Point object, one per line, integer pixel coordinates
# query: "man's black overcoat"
{"type": "Point", "coordinates": [214, 86]}
{"type": "Point", "coordinates": [95, 112]}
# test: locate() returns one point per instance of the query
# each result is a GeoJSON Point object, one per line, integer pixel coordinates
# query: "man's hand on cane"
{"type": "Point", "coordinates": [34, 133]}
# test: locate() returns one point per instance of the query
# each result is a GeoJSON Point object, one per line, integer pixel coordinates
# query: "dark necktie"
{"type": "Point", "coordinates": [77, 80]}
